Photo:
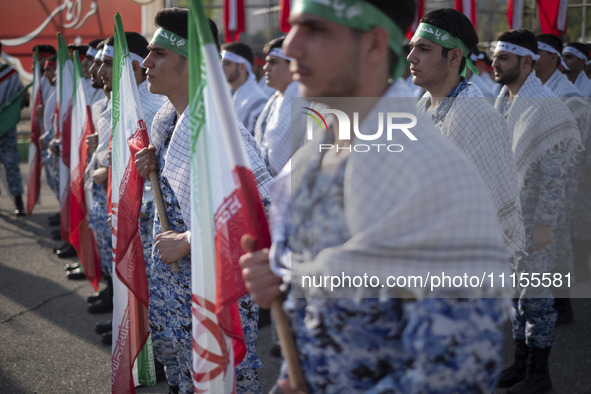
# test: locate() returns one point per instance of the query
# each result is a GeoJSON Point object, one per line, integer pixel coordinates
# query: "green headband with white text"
{"type": "Point", "coordinates": [171, 41]}
{"type": "Point", "coordinates": [446, 40]}
{"type": "Point", "coordinates": [358, 15]}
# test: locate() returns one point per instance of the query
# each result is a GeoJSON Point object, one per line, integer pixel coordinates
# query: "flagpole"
{"type": "Point", "coordinates": [174, 266]}
{"type": "Point", "coordinates": [287, 345]}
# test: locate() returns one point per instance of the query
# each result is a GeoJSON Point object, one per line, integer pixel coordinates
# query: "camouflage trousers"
{"type": "Point", "coordinates": [10, 159]}
{"type": "Point", "coordinates": [99, 224]}
{"type": "Point", "coordinates": [146, 227]}
{"type": "Point", "coordinates": [533, 315]}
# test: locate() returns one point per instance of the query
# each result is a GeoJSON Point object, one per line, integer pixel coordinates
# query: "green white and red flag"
{"type": "Point", "coordinates": [34, 181]}
{"type": "Point", "coordinates": [82, 238]}
{"type": "Point", "coordinates": [225, 204]}
{"type": "Point", "coordinates": [63, 108]}
{"type": "Point", "coordinates": [130, 301]}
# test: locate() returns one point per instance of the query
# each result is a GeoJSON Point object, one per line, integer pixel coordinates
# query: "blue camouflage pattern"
{"type": "Point", "coordinates": [390, 345]}
{"type": "Point", "coordinates": [543, 203]}
{"type": "Point", "coordinates": [564, 247]}
{"type": "Point", "coordinates": [170, 306]}
{"type": "Point", "coordinates": [11, 161]}
{"type": "Point", "coordinates": [246, 372]}
{"type": "Point", "coordinates": [146, 227]}
{"type": "Point", "coordinates": [99, 224]}
{"type": "Point", "coordinates": [51, 174]}
{"type": "Point", "coordinates": [170, 296]}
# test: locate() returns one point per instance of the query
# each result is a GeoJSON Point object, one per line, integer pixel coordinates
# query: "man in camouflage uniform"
{"type": "Point", "coordinates": [578, 195]}
{"type": "Point", "coordinates": [340, 217]}
{"type": "Point", "coordinates": [168, 155]}
{"type": "Point", "coordinates": [545, 142]}
{"type": "Point", "coordinates": [464, 116]}
{"type": "Point", "coordinates": [10, 85]}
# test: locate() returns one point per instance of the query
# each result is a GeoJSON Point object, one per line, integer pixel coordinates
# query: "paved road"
{"type": "Point", "coordinates": [47, 343]}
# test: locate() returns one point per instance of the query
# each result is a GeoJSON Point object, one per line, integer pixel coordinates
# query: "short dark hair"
{"type": "Point", "coordinates": [274, 43]}
{"type": "Point", "coordinates": [135, 42]}
{"type": "Point", "coordinates": [240, 49]}
{"type": "Point", "coordinates": [94, 43]}
{"type": "Point", "coordinates": [455, 23]}
{"type": "Point", "coordinates": [80, 48]}
{"type": "Point", "coordinates": [553, 40]}
{"type": "Point", "coordinates": [522, 37]}
{"type": "Point", "coordinates": [581, 47]}
{"type": "Point", "coordinates": [176, 20]}
{"type": "Point", "coordinates": [45, 48]}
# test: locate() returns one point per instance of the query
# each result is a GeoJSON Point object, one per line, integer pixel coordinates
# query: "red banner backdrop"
{"type": "Point", "coordinates": [26, 23]}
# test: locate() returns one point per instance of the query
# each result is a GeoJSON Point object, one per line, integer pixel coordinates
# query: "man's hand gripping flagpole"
{"type": "Point", "coordinates": [146, 163]}
{"type": "Point", "coordinates": [263, 285]}
{"type": "Point", "coordinates": [174, 266]}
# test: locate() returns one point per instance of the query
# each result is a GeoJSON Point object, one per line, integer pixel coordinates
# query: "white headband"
{"type": "Point", "coordinates": [231, 56]}
{"type": "Point", "coordinates": [575, 51]}
{"type": "Point", "coordinates": [279, 53]}
{"type": "Point", "coordinates": [110, 51]}
{"type": "Point", "coordinates": [515, 49]}
{"type": "Point", "coordinates": [91, 52]}
{"type": "Point", "coordinates": [548, 48]}
{"type": "Point", "coordinates": [99, 55]}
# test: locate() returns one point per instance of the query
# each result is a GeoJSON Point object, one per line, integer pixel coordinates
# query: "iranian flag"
{"type": "Point", "coordinates": [63, 108]}
{"type": "Point", "coordinates": [130, 301]}
{"type": "Point", "coordinates": [468, 8]}
{"type": "Point", "coordinates": [225, 204]}
{"type": "Point", "coordinates": [34, 182]}
{"type": "Point", "coordinates": [514, 13]}
{"type": "Point", "coordinates": [553, 16]}
{"type": "Point", "coordinates": [234, 19]}
{"type": "Point", "coordinates": [81, 236]}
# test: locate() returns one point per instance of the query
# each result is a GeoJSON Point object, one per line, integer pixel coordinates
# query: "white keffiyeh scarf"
{"type": "Point", "coordinates": [574, 100]}
{"type": "Point", "coordinates": [177, 168]}
{"type": "Point", "coordinates": [249, 101]}
{"type": "Point", "coordinates": [422, 211]}
{"type": "Point", "coordinates": [474, 126]}
{"type": "Point", "coordinates": [539, 121]}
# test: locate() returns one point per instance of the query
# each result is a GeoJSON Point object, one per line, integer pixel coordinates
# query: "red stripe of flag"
{"type": "Point", "coordinates": [284, 8]}
{"type": "Point", "coordinates": [234, 19]}
{"type": "Point", "coordinates": [34, 182]}
{"type": "Point", "coordinates": [420, 11]}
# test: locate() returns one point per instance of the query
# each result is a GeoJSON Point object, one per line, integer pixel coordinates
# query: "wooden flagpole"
{"type": "Point", "coordinates": [174, 266]}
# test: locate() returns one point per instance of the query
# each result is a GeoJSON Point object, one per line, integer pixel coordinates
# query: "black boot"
{"type": "Point", "coordinates": [537, 377]}
{"type": "Point", "coordinates": [516, 371]}
{"type": "Point", "coordinates": [20, 208]}
{"type": "Point", "coordinates": [105, 303]}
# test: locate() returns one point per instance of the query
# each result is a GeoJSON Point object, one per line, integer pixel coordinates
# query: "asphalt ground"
{"type": "Point", "coordinates": [47, 339]}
